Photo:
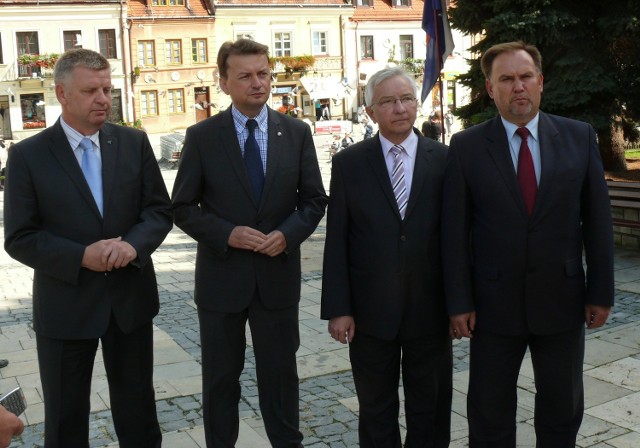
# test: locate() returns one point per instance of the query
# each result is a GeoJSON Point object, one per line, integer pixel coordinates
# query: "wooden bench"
{"type": "Point", "coordinates": [624, 195]}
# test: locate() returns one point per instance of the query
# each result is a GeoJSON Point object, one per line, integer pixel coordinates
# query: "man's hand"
{"type": "Point", "coordinates": [274, 245]}
{"type": "Point", "coordinates": [10, 425]}
{"type": "Point", "coordinates": [119, 254]}
{"type": "Point", "coordinates": [243, 237]}
{"type": "Point", "coordinates": [462, 325]}
{"type": "Point", "coordinates": [595, 316]}
{"type": "Point", "coordinates": [342, 328]}
{"type": "Point", "coordinates": [97, 254]}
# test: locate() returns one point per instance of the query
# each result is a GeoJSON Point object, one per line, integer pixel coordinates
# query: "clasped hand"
{"type": "Point", "coordinates": [247, 238]}
{"type": "Point", "coordinates": [106, 255]}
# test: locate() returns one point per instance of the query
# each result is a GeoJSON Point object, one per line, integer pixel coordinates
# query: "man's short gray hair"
{"type": "Point", "coordinates": [383, 75]}
{"type": "Point", "coordinates": [78, 57]}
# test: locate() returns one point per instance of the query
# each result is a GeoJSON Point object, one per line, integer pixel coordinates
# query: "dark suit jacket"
{"type": "Point", "coordinates": [212, 195]}
{"type": "Point", "coordinates": [518, 273]}
{"type": "Point", "coordinates": [378, 268]}
{"type": "Point", "coordinates": [51, 216]}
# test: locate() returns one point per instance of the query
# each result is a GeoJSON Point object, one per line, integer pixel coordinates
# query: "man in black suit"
{"type": "Point", "coordinates": [249, 192]}
{"type": "Point", "coordinates": [524, 195]}
{"type": "Point", "coordinates": [382, 285]}
{"type": "Point", "coordinates": [89, 237]}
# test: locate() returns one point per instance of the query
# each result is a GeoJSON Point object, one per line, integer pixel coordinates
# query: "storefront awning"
{"type": "Point", "coordinates": [320, 88]}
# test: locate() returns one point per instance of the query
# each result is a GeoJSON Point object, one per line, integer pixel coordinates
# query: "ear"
{"type": "Point", "coordinates": [371, 113]}
{"type": "Point", "coordinates": [61, 94]}
{"type": "Point", "coordinates": [223, 85]}
{"type": "Point", "coordinates": [489, 87]}
{"type": "Point", "coordinates": [541, 82]}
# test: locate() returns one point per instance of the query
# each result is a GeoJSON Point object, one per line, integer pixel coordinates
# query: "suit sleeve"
{"type": "Point", "coordinates": [597, 230]}
{"type": "Point", "coordinates": [336, 291]}
{"type": "Point", "coordinates": [155, 220]}
{"type": "Point", "coordinates": [456, 240]}
{"type": "Point", "coordinates": [312, 198]}
{"type": "Point", "coordinates": [25, 238]}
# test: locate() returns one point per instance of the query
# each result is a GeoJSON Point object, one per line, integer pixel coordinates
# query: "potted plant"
{"type": "Point", "coordinates": [27, 60]}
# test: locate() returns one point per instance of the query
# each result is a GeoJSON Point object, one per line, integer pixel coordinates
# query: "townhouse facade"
{"type": "Point", "coordinates": [163, 55]}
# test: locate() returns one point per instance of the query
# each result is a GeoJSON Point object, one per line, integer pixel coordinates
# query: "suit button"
{"type": "Point", "coordinates": [106, 273]}
{"type": "Point", "coordinates": [403, 238]}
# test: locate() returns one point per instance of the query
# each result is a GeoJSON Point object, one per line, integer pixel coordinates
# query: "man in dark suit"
{"type": "Point", "coordinates": [249, 192]}
{"type": "Point", "coordinates": [85, 207]}
{"type": "Point", "coordinates": [524, 195]}
{"type": "Point", "coordinates": [382, 285]}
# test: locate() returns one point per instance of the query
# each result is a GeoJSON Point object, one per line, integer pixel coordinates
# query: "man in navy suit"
{"type": "Point", "coordinates": [382, 288]}
{"type": "Point", "coordinates": [524, 198]}
{"type": "Point", "coordinates": [90, 246]}
{"type": "Point", "coordinates": [249, 192]}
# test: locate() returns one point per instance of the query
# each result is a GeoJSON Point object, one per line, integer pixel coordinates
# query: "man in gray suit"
{"type": "Point", "coordinates": [249, 192]}
{"type": "Point", "coordinates": [85, 207]}
{"type": "Point", "coordinates": [524, 196]}
{"type": "Point", "coordinates": [382, 285]}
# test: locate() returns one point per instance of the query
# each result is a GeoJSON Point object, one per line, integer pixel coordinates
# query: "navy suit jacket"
{"type": "Point", "coordinates": [525, 274]}
{"type": "Point", "coordinates": [212, 195]}
{"type": "Point", "coordinates": [383, 270]}
{"type": "Point", "coordinates": [51, 216]}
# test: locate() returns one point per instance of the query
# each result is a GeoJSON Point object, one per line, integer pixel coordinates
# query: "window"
{"type": "Point", "coordinates": [366, 47]}
{"type": "Point", "coordinates": [32, 108]}
{"type": "Point", "coordinates": [176, 100]}
{"type": "Point", "coordinates": [149, 102]}
{"type": "Point", "coordinates": [199, 50]}
{"type": "Point", "coordinates": [401, 2]}
{"type": "Point", "coordinates": [27, 44]}
{"type": "Point", "coordinates": [282, 44]}
{"type": "Point", "coordinates": [319, 42]}
{"type": "Point", "coordinates": [173, 52]}
{"type": "Point", "coordinates": [107, 39]}
{"type": "Point", "coordinates": [167, 2]}
{"type": "Point", "coordinates": [116, 106]}
{"type": "Point", "coordinates": [72, 39]}
{"type": "Point", "coordinates": [146, 53]}
{"type": "Point", "coordinates": [406, 46]}
{"type": "Point", "coordinates": [364, 2]}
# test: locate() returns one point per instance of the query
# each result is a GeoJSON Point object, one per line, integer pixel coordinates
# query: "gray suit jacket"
{"type": "Point", "coordinates": [524, 274]}
{"type": "Point", "coordinates": [380, 269]}
{"type": "Point", "coordinates": [212, 195]}
{"type": "Point", "coordinates": [51, 216]}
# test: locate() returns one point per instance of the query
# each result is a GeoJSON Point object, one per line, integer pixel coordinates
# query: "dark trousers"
{"type": "Point", "coordinates": [492, 400]}
{"type": "Point", "coordinates": [426, 376]}
{"type": "Point", "coordinates": [276, 339]}
{"type": "Point", "coordinates": [66, 367]}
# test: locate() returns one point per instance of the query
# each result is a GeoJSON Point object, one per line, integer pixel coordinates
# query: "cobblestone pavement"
{"type": "Point", "coordinates": [328, 407]}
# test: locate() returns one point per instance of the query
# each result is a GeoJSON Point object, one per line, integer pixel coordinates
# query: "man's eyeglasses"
{"type": "Point", "coordinates": [389, 102]}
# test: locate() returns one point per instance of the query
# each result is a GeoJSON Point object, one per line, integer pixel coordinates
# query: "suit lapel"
{"type": "Point", "coordinates": [549, 147]}
{"type": "Point", "coordinates": [500, 153]}
{"type": "Point", "coordinates": [420, 173]}
{"type": "Point", "coordinates": [109, 152]}
{"type": "Point", "coordinates": [274, 151]}
{"type": "Point", "coordinates": [379, 167]}
{"type": "Point", "coordinates": [63, 152]}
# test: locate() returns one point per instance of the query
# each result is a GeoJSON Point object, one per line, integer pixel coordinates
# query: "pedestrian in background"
{"type": "Point", "coordinates": [249, 191]}
{"type": "Point", "coordinates": [85, 207]}
{"type": "Point", "coordinates": [382, 289]}
{"type": "Point", "coordinates": [524, 196]}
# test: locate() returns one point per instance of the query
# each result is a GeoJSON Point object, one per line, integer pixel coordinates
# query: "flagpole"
{"type": "Point", "coordinates": [439, 62]}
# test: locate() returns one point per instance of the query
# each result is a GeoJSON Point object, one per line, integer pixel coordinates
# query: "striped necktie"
{"type": "Point", "coordinates": [92, 169]}
{"type": "Point", "coordinates": [397, 180]}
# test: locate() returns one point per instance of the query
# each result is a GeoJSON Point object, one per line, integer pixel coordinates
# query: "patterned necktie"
{"type": "Point", "coordinates": [92, 169]}
{"type": "Point", "coordinates": [526, 172]}
{"type": "Point", "coordinates": [253, 161]}
{"type": "Point", "coordinates": [397, 180]}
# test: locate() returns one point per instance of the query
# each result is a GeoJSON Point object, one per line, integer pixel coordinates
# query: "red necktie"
{"type": "Point", "coordinates": [526, 172]}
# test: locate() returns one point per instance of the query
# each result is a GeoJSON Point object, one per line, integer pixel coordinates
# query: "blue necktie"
{"type": "Point", "coordinates": [92, 169]}
{"type": "Point", "coordinates": [253, 161]}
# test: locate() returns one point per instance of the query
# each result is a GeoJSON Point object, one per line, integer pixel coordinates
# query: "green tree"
{"type": "Point", "coordinates": [591, 61]}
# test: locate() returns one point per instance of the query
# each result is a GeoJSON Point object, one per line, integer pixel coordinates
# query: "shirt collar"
{"type": "Point", "coordinates": [74, 136]}
{"type": "Point", "coordinates": [511, 128]}
{"type": "Point", "coordinates": [240, 119]}
{"type": "Point", "coordinates": [410, 145]}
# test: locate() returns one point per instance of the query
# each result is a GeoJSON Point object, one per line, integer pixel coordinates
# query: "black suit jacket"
{"type": "Point", "coordinates": [51, 216]}
{"type": "Point", "coordinates": [524, 274]}
{"type": "Point", "coordinates": [212, 195]}
{"type": "Point", "coordinates": [378, 268]}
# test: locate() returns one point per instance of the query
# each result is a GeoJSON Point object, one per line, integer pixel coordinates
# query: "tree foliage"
{"type": "Point", "coordinates": [591, 60]}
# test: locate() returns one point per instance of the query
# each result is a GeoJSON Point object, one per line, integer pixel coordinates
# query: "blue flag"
{"type": "Point", "coordinates": [439, 42]}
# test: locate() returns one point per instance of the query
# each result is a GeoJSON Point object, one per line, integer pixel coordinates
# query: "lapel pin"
{"type": "Point", "coordinates": [279, 134]}
{"type": "Point", "coordinates": [109, 142]}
